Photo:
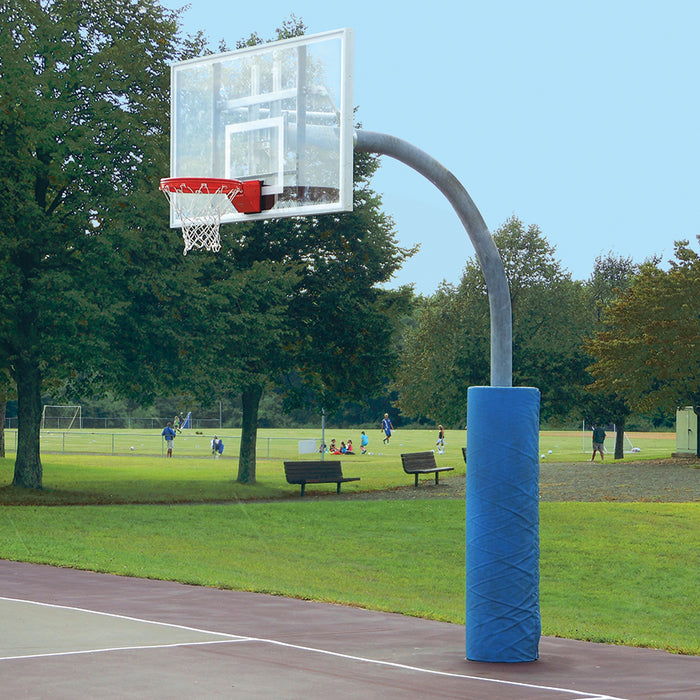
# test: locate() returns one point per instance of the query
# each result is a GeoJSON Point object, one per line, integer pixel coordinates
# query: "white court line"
{"type": "Point", "coordinates": [126, 617]}
{"type": "Point", "coordinates": [580, 695]}
{"type": "Point", "coordinates": [77, 652]}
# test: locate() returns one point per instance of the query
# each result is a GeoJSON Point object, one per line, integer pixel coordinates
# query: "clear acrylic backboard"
{"type": "Point", "coordinates": [280, 113]}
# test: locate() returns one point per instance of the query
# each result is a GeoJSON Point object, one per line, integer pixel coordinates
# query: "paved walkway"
{"type": "Point", "coordinates": [68, 634]}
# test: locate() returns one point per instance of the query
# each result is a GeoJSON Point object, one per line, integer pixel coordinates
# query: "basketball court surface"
{"type": "Point", "coordinates": [68, 634]}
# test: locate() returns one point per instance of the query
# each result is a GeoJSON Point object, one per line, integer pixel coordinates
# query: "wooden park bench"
{"type": "Point", "coordinates": [316, 472]}
{"type": "Point", "coordinates": [422, 463]}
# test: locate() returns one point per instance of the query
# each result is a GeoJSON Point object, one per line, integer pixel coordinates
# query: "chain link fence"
{"type": "Point", "coordinates": [187, 443]}
{"type": "Point", "coordinates": [117, 423]}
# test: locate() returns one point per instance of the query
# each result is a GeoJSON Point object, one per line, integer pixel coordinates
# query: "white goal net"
{"type": "Point", "coordinates": [61, 417]}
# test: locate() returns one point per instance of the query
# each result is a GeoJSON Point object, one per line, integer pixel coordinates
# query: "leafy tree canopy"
{"type": "Point", "coordinates": [83, 138]}
{"type": "Point", "coordinates": [649, 348]}
{"type": "Point", "coordinates": [448, 351]}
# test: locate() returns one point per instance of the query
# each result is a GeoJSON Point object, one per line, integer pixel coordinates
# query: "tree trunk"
{"type": "Point", "coordinates": [28, 469]}
{"type": "Point", "coordinates": [620, 438]}
{"type": "Point", "coordinates": [249, 434]}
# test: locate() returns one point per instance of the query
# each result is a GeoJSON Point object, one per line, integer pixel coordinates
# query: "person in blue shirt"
{"type": "Point", "coordinates": [169, 435]}
{"type": "Point", "coordinates": [387, 427]}
{"type": "Point", "coordinates": [217, 446]}
{"type": "Point", "coordinates": [364, 441]}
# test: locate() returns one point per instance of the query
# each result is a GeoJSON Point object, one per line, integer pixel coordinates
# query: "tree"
{"type": "Point", "coordinates": [448, 351]}
{"type": "Point", "coordinates": [445, 352]}
{"type": "Point", "coordinates": [612, 274]}
{"type": "Point", "coordinates": [293, 304]}
{"type": "Point", "coordinates": [245, 318]}
{"type": "Point", "coordinates": [296, 305]}
{"type": "Point", "coordinates": [648, 350]}
{"type": "Point", "coordinates": [83, 125]}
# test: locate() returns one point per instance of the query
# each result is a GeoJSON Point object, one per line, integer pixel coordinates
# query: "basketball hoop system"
{"type": "Point", "coordinates": [200, 202]}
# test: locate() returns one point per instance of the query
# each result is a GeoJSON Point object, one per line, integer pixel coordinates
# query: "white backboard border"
{"type": "Point", "coordinates": [280, 112]}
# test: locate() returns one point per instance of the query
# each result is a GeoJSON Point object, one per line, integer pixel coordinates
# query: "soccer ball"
{"type": "Point", "coordinates": [133, 448]}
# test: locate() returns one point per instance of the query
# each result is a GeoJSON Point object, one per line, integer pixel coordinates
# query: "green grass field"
{"type": "Point", "coordinates": [284, 444]}
{"type": "Point", "coordinates": [619, 573]}
{"type": "Point", "coordinates": [195, 475]}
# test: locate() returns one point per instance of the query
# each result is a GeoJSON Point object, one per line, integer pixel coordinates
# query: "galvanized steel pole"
{"type": "Point", "coordinates": [486, 251]}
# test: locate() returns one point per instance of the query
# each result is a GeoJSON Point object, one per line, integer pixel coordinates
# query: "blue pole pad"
{"type": "Point", "coordinates": [503, 552]}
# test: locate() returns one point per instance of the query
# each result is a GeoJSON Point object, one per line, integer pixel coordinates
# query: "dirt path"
{"type": "Point", "coordinates": [663, 480]}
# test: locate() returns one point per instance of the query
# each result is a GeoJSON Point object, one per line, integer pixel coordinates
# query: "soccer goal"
{"type": "Point", "coordinates": [61, 417]}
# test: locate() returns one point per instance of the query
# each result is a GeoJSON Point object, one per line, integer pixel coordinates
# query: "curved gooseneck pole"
{"type": "Point", "coordinates": [486, 251]}
{"type": "Point", "coordinates": [502, 494]}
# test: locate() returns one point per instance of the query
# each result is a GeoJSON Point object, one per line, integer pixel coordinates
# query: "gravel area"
{"type": "Point", "coordinates": [663, 481]}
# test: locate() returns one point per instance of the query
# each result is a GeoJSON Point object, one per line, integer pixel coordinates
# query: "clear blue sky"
{"type": "Point", "coordinates": [580, 117]}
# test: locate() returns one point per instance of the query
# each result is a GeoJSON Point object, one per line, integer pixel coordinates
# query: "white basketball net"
{"type": "Point", "coordinates": [200, 213]}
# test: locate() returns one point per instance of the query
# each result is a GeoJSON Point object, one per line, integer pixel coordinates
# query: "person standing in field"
{"type": "Point", "coordinates": [441, 440]}
{"type": "Point", "coordinates": [598, 442]}
{"type": "Point", "coordinates": [169, 435]}
{"type": "Point", "coordinates": [387, 427]}
{"type": "Point", "coordinates": [364, 441]}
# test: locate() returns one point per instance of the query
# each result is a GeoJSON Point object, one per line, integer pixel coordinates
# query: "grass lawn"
{"type": "Point", "coordinates": [569, 446]}
{"type": "Point", "coordinates": [144, 478]}
{"type": "Point", "coordinates": [610, 572]}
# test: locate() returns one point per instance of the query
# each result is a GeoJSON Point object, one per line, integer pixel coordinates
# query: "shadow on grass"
{"type": "Point", "coordinates": [17, 496]}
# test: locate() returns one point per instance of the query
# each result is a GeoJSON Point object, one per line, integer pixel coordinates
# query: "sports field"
{"type": "Point", "coordinates": [284, 444]}
{"type": "Point", "coordinates": [101, 467]}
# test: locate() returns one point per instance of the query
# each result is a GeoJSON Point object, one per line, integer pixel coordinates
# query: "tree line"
{"type": "Point", "coordinates": [97, 300]}
{"type": "Point", "coordinates": [625, 340]}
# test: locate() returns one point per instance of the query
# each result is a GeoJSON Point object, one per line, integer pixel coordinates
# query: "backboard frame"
{"type": "Point", "coordinates": [280, 112]}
